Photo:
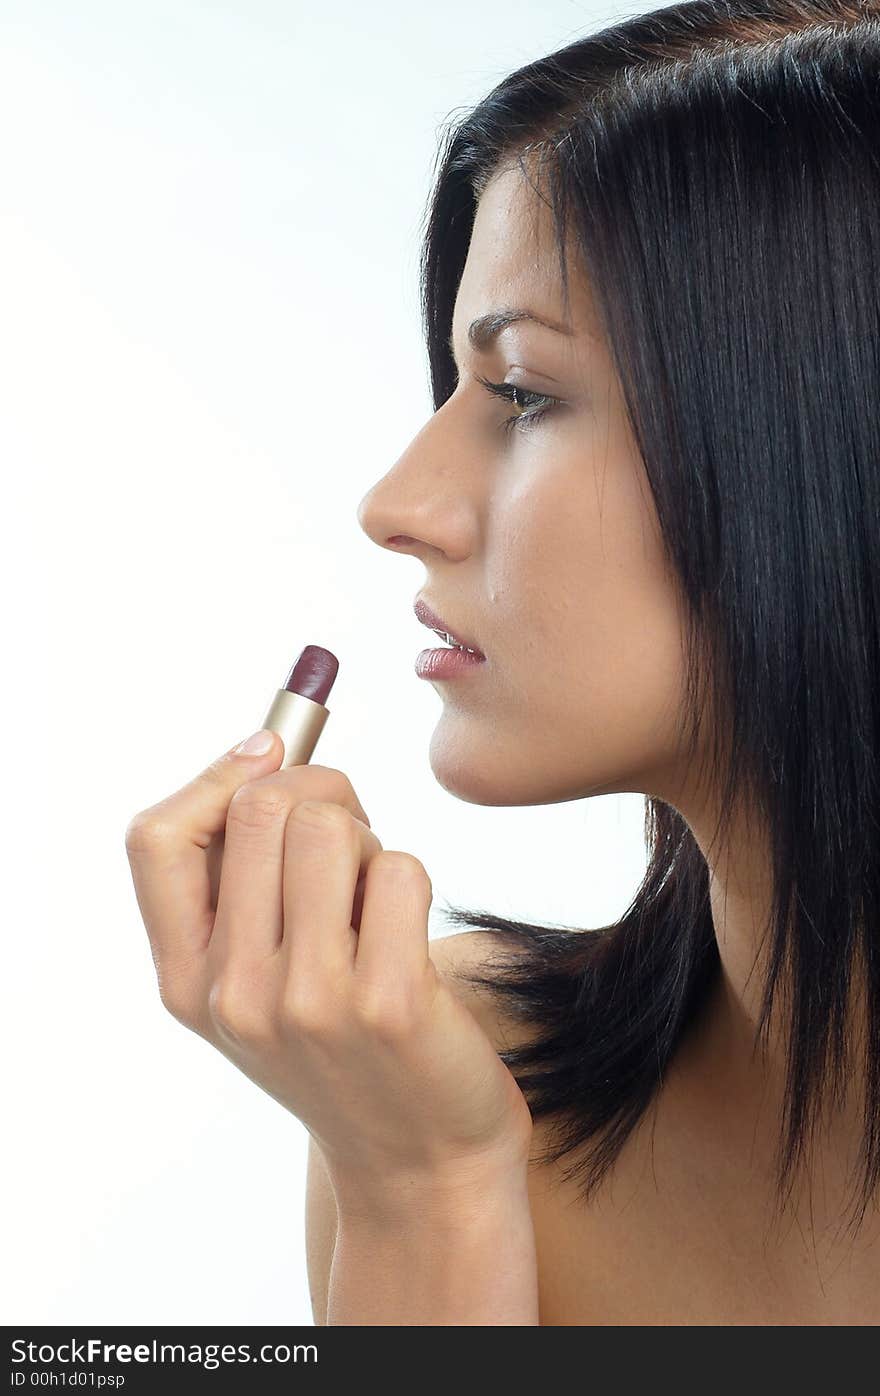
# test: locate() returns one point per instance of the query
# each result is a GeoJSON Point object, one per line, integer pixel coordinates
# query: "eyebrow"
{"type": "Point", "coordinates": [483, 330]}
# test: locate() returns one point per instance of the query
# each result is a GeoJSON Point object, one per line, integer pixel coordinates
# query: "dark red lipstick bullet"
{"type": "Point", "coordinates": [313, 674]}
{"type": "Point", "coordinates": [297, 711]}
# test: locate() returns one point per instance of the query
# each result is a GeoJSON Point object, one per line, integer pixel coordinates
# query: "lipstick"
{"type": "Point", "coordinates": [297, 712]}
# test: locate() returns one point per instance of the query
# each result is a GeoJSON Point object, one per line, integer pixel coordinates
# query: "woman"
{"type": "Point", "coordinates": [651, 505]}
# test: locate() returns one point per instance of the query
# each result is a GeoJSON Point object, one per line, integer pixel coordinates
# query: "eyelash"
{"type": "Point", "coordinates": [540, 403]}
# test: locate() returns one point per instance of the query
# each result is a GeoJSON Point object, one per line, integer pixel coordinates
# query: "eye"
{"type": "Point", "coordinates": [536, 405]}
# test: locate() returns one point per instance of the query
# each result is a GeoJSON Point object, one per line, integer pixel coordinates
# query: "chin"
{"type": "Point", "coordinates": [466, 766]}
{"type": "Point", "coordinates": [477, 769]}
{"type": "Point", "coordinates": [477, 765]}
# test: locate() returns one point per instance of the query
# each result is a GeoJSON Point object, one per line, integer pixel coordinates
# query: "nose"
{"type": "Point", "coordinates": [421, 505]}
{"type": "Point", "coordinates": [380, 515]}
{"type": "Point", "coordinates": [372, 515]}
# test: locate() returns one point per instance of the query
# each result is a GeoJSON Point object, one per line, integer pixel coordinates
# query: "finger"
{"type": "Point", "coordinates": [250, 907]}
{"type": "Point", "coordinates": [326, 850]}
{"type": "Point", "coordinates": [167, 852]}
{"type": "Point", "coordinates": [392, 945]}
{"type": "Point", "coordinates": [323, 782]}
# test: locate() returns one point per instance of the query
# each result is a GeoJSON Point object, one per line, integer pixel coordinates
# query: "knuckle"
{"type": "Point", "coordinates": [301, 783]}
{"type": "Point", "coordinates": [218, 772]}
{"type": "Point", "coordinates": [233, 1010]}
{"type": "Point", "coordinates": [257, 806]}
{"type": "Point", "coordinates": [385, 1017]}
{"type": "Point", "coordinates": [146, 832]}
{"type": "Point", "coordinates": [177, 999]}
{"type": "Point", "coordinates": [397, 863]}
{"type": "Point", "coordinates": [329, 819]}
{"type": "Point", "coordinates": [333, 784]}
{"type": "Point", "coordinates": [305, 1012]}
{"type": "Point", "coordinates": [325, 783]}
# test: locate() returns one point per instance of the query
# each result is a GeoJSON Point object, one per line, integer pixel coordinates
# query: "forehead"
{"type": "Point", "coordinates": [513, 258]}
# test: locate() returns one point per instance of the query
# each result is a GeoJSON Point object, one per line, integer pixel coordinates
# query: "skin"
{"type": "Point", "coordinates": [247, 879]}
{"type": "Point", "coordinates": [286, 936]}
{"type": "Point", "coordinates": [544, 548]}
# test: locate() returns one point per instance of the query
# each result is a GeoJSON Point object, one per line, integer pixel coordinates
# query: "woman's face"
{"type": "Point", "coordinates": [540, 544]}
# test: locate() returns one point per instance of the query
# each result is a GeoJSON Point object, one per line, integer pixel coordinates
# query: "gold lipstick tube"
{"type": "Point", "coordinates": [299, 723]}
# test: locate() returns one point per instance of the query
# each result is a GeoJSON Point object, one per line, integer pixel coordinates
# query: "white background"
{"type": "Point", "coordinates": [210, 348]}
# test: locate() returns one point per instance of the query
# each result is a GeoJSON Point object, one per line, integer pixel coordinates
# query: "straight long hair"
{"type": "Point", "coordinates": [716, 164]}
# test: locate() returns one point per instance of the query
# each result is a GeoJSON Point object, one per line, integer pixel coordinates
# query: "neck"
{"type": "Point", "coordinates": [739, 1080]}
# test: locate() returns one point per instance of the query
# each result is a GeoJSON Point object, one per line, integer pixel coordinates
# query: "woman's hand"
{"type": "Point", "coordinates": [286, 936]}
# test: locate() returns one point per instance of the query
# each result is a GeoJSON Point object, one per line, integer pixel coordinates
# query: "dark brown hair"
{"type": "Point", "coordinates": [717, 165]}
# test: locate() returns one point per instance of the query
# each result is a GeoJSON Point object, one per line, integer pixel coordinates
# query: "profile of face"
{"type": "Point", "coordinates": [540, 541]}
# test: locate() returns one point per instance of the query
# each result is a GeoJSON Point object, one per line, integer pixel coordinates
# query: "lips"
{"type": "Point", "coordinates": [434, 622]}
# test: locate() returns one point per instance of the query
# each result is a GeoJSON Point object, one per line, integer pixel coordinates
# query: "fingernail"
{"type": "Point", "coordinates": [258, 744]}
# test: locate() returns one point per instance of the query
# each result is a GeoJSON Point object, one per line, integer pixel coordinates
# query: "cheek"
{"type": "Point", "coordinates": [592, 660]}
{"type": "Point", "coordinates": [576, 560]}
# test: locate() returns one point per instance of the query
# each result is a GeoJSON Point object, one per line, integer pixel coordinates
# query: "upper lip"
{"type": "Point", "coordinates": [434, 622]}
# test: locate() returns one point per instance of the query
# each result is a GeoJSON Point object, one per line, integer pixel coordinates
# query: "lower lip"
{"type": "Point", "coordinates": [446, 663]}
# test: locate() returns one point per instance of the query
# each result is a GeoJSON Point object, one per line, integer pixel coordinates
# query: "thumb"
{"type": "Point", "coordinates": [198, 809]}
{"type": "Point", "coordinates": [166, 847]}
